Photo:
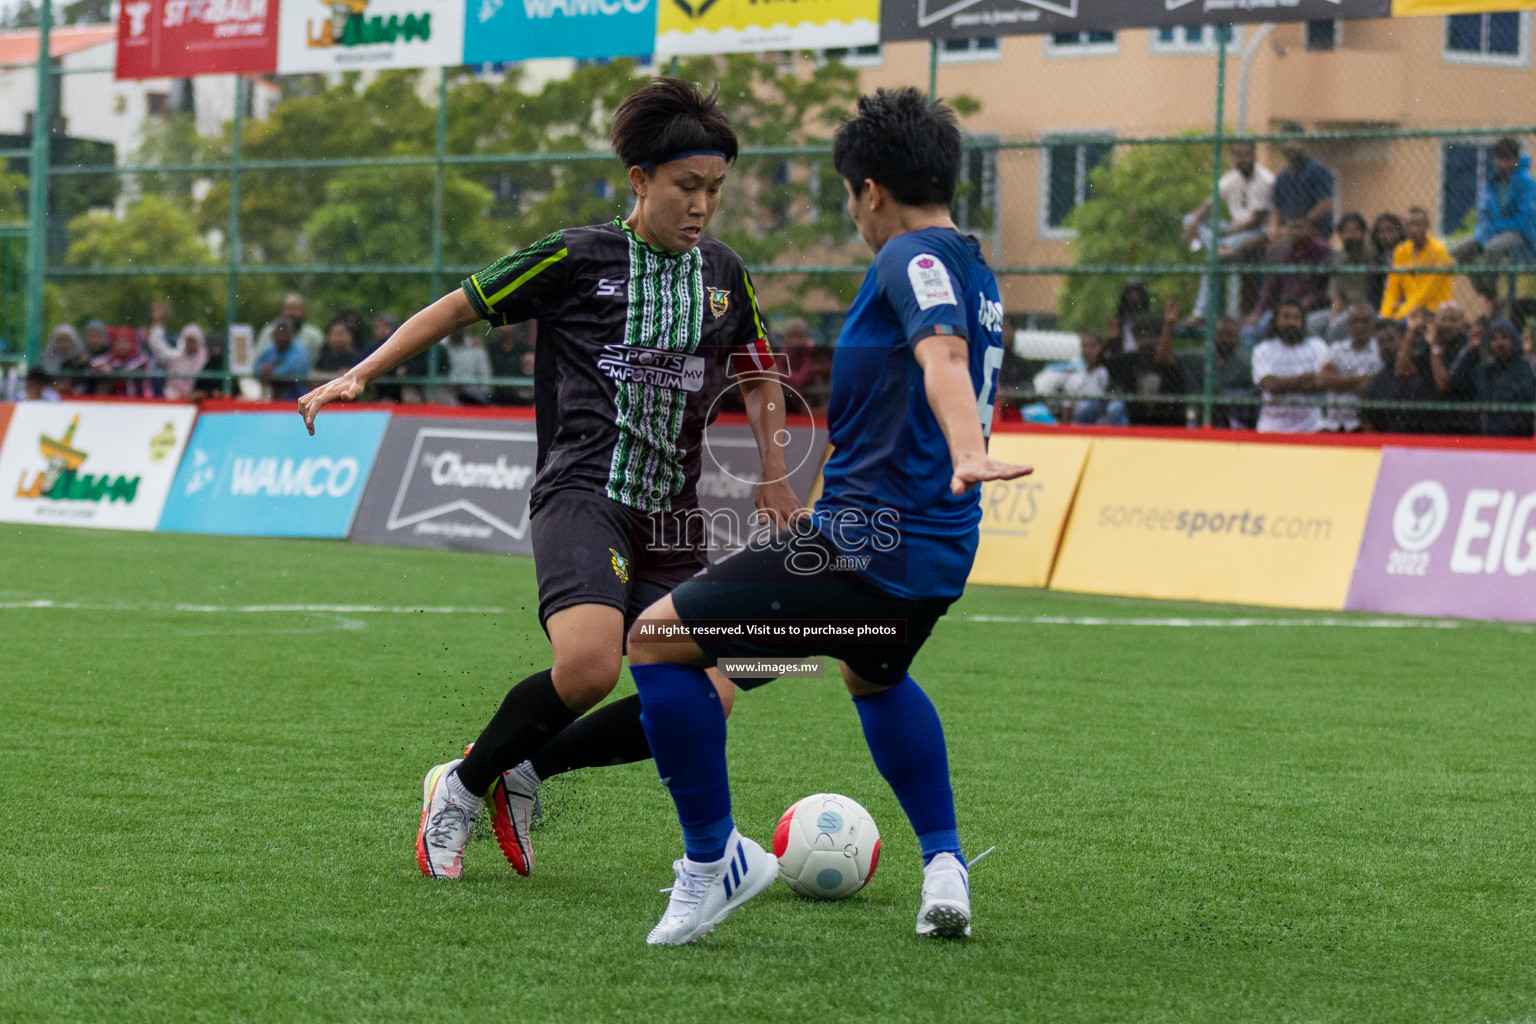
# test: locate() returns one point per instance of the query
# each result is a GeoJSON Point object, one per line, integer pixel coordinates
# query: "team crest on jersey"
{"type": "Point", "coordinates": [620, 566]}
{"type": "Point", "coordinates": [719, 301]}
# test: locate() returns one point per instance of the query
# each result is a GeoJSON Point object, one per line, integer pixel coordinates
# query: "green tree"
{"type": "Point", "coordinates": [154, 231]}
{"type": "Point", "coordinates": [1133, 215]}
{"type": "Point", "coordinates": [378, 215]}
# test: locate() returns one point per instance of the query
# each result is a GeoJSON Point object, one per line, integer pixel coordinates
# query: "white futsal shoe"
{"type": "Point", "coordinates": [447, 817]}
{"type": "Point", "coordinates": [946, 909]}
{"type": "Point", "coordinates": [706, 894]}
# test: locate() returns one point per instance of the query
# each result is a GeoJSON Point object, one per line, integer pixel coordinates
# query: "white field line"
{"type": "Point", "coordinates": [1244, 623]}
{"type": "Point", "coordinates": [325, 609]}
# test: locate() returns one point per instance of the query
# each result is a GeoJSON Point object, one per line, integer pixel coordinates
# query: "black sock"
{"type": "Point", "coordinates": [528, 718]}
{"type": "Point", "coordinates": [608, 736]}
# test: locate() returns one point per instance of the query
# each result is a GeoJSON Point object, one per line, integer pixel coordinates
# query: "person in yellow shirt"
{"type": "Point", "coordinates": [1408, 292]}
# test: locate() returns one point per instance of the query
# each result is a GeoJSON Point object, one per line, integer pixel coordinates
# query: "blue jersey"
{"type": "Point", "coordinates": [885, 493]}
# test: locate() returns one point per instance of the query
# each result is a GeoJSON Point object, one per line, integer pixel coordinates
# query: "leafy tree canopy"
{"type": "Point", "coordinates": [1133, 215]}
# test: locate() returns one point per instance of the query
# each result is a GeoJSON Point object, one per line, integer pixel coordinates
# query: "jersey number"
{"type": "Point", "coordinates": [986, 400]}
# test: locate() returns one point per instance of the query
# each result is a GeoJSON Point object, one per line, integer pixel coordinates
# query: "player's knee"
{"type": "Point", "coordinates": [584, 677]}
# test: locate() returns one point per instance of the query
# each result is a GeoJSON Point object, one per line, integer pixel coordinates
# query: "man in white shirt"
{"type": "Point", "coordinates": [1248, 191]}
{"type": "Point", "coordinates": [1350, 367]}
{"type": "Point", "coordinates": [1288, 364]}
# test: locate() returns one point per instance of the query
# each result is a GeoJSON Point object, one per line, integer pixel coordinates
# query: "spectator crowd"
{"type": "Point", "coordinates": [1352, 337]}
{"type": "Point", "coordinates": [1348, 338]}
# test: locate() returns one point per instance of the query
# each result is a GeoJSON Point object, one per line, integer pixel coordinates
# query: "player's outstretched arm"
{"type": "Point", "coordinates": [764, 399]}
{"type": "Point", "coordinates": [946, 364]}
{"type": "Point", "coordinates": [450, 313]}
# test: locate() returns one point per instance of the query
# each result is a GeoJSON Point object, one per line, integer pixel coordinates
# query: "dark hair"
{"type": "Point", "coordinates": [1506, 149]}
{"type": "Point", "coordinates": [668, 116]}
{"type": "Point", "coordinates": [37, 374]}
{"type": "Point", "coordinates": [1290, 302]}
{"type": "Point", "coordinates": [904, 142]}
{"type": "Point", "coordinates": [1419, 210]}
{"type": "Point", "coordinates": [1387, 218]}
{"type": "Point", "coordinates": [1352, 218]}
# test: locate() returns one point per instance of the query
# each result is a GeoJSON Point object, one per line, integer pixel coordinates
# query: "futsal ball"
{"type": "Point", "coordinates": [828, 847]}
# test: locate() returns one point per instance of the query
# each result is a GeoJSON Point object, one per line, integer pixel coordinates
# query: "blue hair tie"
{"type": "Point", "coordinates": [682, 156]}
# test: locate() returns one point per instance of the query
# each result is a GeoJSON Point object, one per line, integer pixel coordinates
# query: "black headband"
{"type": "Point", "coordinates": [681, 156]}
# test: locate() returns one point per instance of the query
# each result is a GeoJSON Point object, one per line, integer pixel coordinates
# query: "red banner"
{"type": "Point", "coordinates": [182, 38]}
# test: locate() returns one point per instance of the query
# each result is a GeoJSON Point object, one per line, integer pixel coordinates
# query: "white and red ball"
{"type": "Point", "coordinates": [828, 847]}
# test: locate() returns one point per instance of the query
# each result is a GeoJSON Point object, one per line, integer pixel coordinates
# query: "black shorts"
{"type": "Point", "coordinates": [590, 549]}
{"type": "Point", "coordinates": [764, 583]}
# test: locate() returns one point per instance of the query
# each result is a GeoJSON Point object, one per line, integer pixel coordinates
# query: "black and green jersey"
{"type": "Point", "coordinates": [633, 349]}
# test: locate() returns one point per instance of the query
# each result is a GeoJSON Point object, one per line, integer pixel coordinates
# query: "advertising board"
{"type": "Point", "coordinates": [101, 464]}
{"type": "Point", "coordinates": [259, 474]}
{"type": "Point", "coordinates": [747, 26]}
{"type": "Point", "coordinates": [1022, 520]}
{"type": "Point", "coordinates": [182, 38]}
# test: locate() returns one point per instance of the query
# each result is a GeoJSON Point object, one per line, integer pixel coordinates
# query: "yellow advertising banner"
{"type": "Point", "coordinates": [1021, 520]}
{"type": "Point", "coordinates": [750, 26]}
{"type": "Point", "coordinates": [1245, 523]}
{"type": "Point", "coordinates": [1413, 8]}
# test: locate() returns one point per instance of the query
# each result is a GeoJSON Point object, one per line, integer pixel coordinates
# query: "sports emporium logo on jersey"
{"type": "Point", "coordinates": [634, 364]}
{"type": "Point", "coordinates": [930, 281]}
{"type": "Point", "coordinates": [448, 483]}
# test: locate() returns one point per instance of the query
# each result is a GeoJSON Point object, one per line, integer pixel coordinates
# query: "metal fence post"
{"type": "Point", "coordinates": [1213, 218]}
{"type": "Point", "coordinates": [232, 294]}
{"type": "Point", "coordinates": [438, 170]}
{"type": "Point", "coordinates": [37, 188]}
{"type": "Point", "coordinates": [933, 69]}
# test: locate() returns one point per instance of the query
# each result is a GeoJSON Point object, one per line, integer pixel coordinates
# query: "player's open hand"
{"type": "Point", "coordinates": [342, 389]}
{"type": "Point", "coordinates": [977, 469]}
{"type": "Point", "coordinates": [776, 500]}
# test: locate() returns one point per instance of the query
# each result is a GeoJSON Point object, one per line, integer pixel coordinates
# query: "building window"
{"type": "Point", "coordinates": [1081, 44]}
{"type": "Point", "coordinates": [1321, 34]}
{"type": "Point", "coordinates": [1067, 165]}
{"type": "Point", "coordinates": [1463, 167]}
{"type": "Point", "coordinates": [975, 203]}
{"type": "Point", "coordinates": [1498, 38]}
{"type": "Point", "coordinates": [157, 104]}
{"type": "Point", "coordinates": [1198, 39]}
{"type": "Point", "coordinates": [855, 56]}
{"type": "Point", "coordinates": [958, 51]}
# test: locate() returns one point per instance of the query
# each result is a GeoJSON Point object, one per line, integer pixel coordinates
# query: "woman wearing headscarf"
{"type": "Point", "coordinates": [123, 356]}
{"type": "Point", "coordinates": [185, 359]}
{"type": "Point", "coordinates": [63, 350]}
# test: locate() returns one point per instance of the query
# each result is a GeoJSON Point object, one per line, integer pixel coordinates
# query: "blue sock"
{"type": "Point", "coordinates": [685, 726]}
{"type": "Point", "coordinates": [904, 735]}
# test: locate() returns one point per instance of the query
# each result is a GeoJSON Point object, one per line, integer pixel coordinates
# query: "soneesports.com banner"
{"type": "Point", "coordinates": [1022, 520]}
{"type": "Point", "coordinates": [943, 19]}
{"type": "Point", "coordinates": [1450, 533]}
{"type": "Point", "coordinates": [260, 474]}
{"type": "Point", "coordinates": [732, 26]}
{"type": "Point", "coordinates": [99, 464]}
{"type": "Point", "coordinates": [1245, 523]}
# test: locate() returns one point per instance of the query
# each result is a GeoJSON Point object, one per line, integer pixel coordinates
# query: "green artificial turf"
{"type": "Point", "coordinates": [209, 815]}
